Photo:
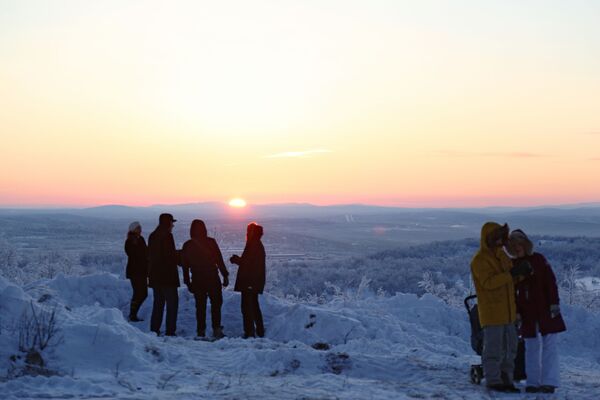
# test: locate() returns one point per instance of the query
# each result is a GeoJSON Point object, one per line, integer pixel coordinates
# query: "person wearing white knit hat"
{"type": "Point", "coordinates": [538, 304]}
{"type": "Point", "coordinates": [137, 268]}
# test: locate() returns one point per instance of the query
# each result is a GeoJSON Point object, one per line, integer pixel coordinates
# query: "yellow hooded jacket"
{"type": "Point", "coordinates": [494, 284]}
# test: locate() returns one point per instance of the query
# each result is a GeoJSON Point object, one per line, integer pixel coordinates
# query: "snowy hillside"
{"type": "Point", "coordinates": [351, 348]}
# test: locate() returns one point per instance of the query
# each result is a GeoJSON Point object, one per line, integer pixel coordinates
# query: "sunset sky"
{"type": "Point", "coordinates": [408, 103]}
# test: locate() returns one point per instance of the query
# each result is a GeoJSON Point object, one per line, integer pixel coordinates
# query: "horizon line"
{"type": "Point", "coordinates": [300, 203]}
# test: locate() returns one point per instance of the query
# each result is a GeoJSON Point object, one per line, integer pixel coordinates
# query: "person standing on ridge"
{"type": "Point", "coordinates": [201, 255]}
{"type": "Point", "coordinates": [538, 304]}
{"type": "Point", "coordinates": [494, 277]}
{"type": "Point", "coordinates": [137, 268]}
{"type": "Point", "coordinates": [250, 280]}
{"type": "Point", "coordinates": [164, 275]}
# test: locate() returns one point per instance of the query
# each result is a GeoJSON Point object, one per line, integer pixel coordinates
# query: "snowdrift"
{"type": "Point", "coordinates": [373, 347]}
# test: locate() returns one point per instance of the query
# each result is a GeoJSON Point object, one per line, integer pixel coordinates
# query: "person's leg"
{"type": "Point", "coordinates": [511, 344]}
{"type": "Point", "coordinates": [550, 367]}
{"type": "Point", "coordinates": [533, 361]}
{"type": "Point", "coordinates": [248, 314]}
{"type": "Point", "coordinates": [134, 297]}
{"type": "Point", "coordinates": [216, 301]}
{"type": "Point", "coordinates": [172, 298]}
{"type": "Point", "coordinates": [258, 319]}
{"type": "Point", "coordinates": [158, 307]}
{"type": "Point", "coordinates": [140, 292]}
{"type": "Point", "coordinates": [200, 296]}
{"type": "Point", "coordinates": [491, 358]}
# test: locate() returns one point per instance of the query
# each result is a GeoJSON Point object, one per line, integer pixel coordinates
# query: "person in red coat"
{"type": "Point", "coordinates": [538, 304]}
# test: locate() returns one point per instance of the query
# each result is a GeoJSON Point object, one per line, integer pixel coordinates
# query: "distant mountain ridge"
{"type": "Point", "coordinates": [304, 210]}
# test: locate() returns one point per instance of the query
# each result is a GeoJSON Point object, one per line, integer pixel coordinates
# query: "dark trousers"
{"type": "Point", "coordinates": [216, 301]}
{"type": "Point", "coordinates": [253, 320]}
{"type": "Point", "coordinates": [162, 296]}
{"type": "Point", "coordinates": [140, 292]}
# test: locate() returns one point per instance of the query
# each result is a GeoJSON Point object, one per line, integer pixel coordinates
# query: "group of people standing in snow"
{"type": "Point", "coordinates": [156, 265]}
{"type": "Point", "coordinates": [516, 290]}
{"type": "Point", "coordinates": [516, 295]}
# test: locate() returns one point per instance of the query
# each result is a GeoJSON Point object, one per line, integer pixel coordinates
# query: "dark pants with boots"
{"type": "Point", "coordinates": [162, 296]}
{"type": "Point", "coordinates": [140, 292]}
{"type": "Point", "coordinates": [253, 320]}
{"type": "Point", "coordinates": [216, 301]}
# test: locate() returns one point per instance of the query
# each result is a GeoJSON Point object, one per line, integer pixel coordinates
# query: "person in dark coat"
{"type": "Point", "coordinates": [201, 255]}
{"type": "Point", "coordinates": [250, 280]}
{"type": "Point", "coordinates": [538, 305]}
{"type": "Point", "coordinates": [164, 275]}
{"type": "Point", "coordinates": [137, 268]}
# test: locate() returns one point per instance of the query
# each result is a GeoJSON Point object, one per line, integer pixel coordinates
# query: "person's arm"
{"type": "Point", "coordinates": [488, 277]}
{"type": "Point", "coordinates": [170, 251]}
{"type": "Point", "coordinates": [550, 285]}
{"type": "Point", "coordinates": [220, 263]}
{"type": "Point", "coordinates": [128, 248]}
{"type": "Point", "coordinates": [219, 259]}
{"type": "Point", "coordinates": [262, 270]}
{"type": "Point", "coordinates": [185, 264]}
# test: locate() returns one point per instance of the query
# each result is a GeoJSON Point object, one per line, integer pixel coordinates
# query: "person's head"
{"type": "Point", "coordinates": [135, 229]}
{"type": "Point", "coordinates": [519, 244]}
{"type": "Point", "coordinates": [254, 231]}
{"type": "Point", "coordinates": [198, 229]}
{"type": "Point", "coordinates": [495, 235]}
{"type": "Point", "coordinates": [166, 221]}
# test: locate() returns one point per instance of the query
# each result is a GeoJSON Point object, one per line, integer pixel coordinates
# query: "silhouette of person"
{"type": "Point", "coordinates": [137, 268]}
{"type": "Point", "coordinates": [250, 280]}
{"type": "Point", "coordinates": [201, 255]}
{"type": "Point", "coordinates": [164, 275]}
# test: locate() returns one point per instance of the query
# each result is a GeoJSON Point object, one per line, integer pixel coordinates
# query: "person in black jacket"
{"type": "Point", "coordinates": [201, 255]}
{"type": "Point", "coordinates": [250, 280]}
{"type": "Point", "coordinates": [137, 268]}
{"type": "Point", "coordinates": [164, 275]}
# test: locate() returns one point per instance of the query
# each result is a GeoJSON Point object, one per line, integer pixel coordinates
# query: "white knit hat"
{"type": "Point", "coordinates": [134, 225]}
{"type": "Point", "coordinates": [518, 236]}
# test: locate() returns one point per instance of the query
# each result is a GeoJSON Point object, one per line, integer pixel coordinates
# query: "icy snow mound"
{"type": "Point", "coordinates": [391, 347]}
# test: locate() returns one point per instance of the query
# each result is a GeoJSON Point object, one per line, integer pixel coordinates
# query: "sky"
{"type": "Point", "coordinates": [389, 102]}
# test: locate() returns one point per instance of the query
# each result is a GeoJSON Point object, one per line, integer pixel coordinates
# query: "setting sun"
{"type": "Point", "coordinates": [237, 203]}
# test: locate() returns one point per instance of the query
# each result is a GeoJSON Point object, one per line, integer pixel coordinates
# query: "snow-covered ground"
{"type": "Point", "coordinates": [398, 347]}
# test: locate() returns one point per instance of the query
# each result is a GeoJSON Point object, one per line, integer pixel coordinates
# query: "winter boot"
{"type": "Point", "coordinates": [218, 333]}
{"type": "Point", "coordinates": [133, 309]}
{"type": "Point", "coordinates": [547, 389]}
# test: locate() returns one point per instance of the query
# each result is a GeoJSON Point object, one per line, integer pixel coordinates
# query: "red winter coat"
{"type": "Point", "coordinates": [534, 296]}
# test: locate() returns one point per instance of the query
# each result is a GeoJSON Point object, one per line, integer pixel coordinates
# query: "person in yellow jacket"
{"type": "Point", "coordinates": [494, 277]}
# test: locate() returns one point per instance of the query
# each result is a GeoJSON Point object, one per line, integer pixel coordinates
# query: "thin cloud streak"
{"type": "Point", "coordinates": [299, 154]}
{"type": "Point", "coordinates": [515, 154]}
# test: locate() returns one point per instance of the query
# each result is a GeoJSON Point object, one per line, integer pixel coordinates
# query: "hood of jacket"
{"type": "Point", "coordinates": [198, 230]}
{"type": "Point", "coordinates": [487, 230]}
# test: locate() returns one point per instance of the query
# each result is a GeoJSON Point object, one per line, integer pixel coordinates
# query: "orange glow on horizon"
{"type": "Point", "coordinates": [237, 203]}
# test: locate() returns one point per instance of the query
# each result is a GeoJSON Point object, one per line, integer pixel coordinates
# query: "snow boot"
{"type": "Point", "coordinates": [547, 389]}
{"type": "Point", "coordinates": [511, 389]}
{"type": "Point", "coordinates": [218, 333]}
{"type": "Point", "coordinates": [532, 389]}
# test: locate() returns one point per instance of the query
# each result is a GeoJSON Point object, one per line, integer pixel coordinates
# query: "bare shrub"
{"type": "Point", "coordinates": [38, 330]}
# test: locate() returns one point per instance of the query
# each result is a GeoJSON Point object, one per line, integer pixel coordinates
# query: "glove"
{"type": "Point", "coordinates": [522, 268]}
{"type": "Point", "coordinates": [235, 259]}
{"type": "Point", "coordinates": [189, 286]}
{"type": "Point", "coordinates": [554, 310]}
{"type": "Point", "coordinates": [225, 281]}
